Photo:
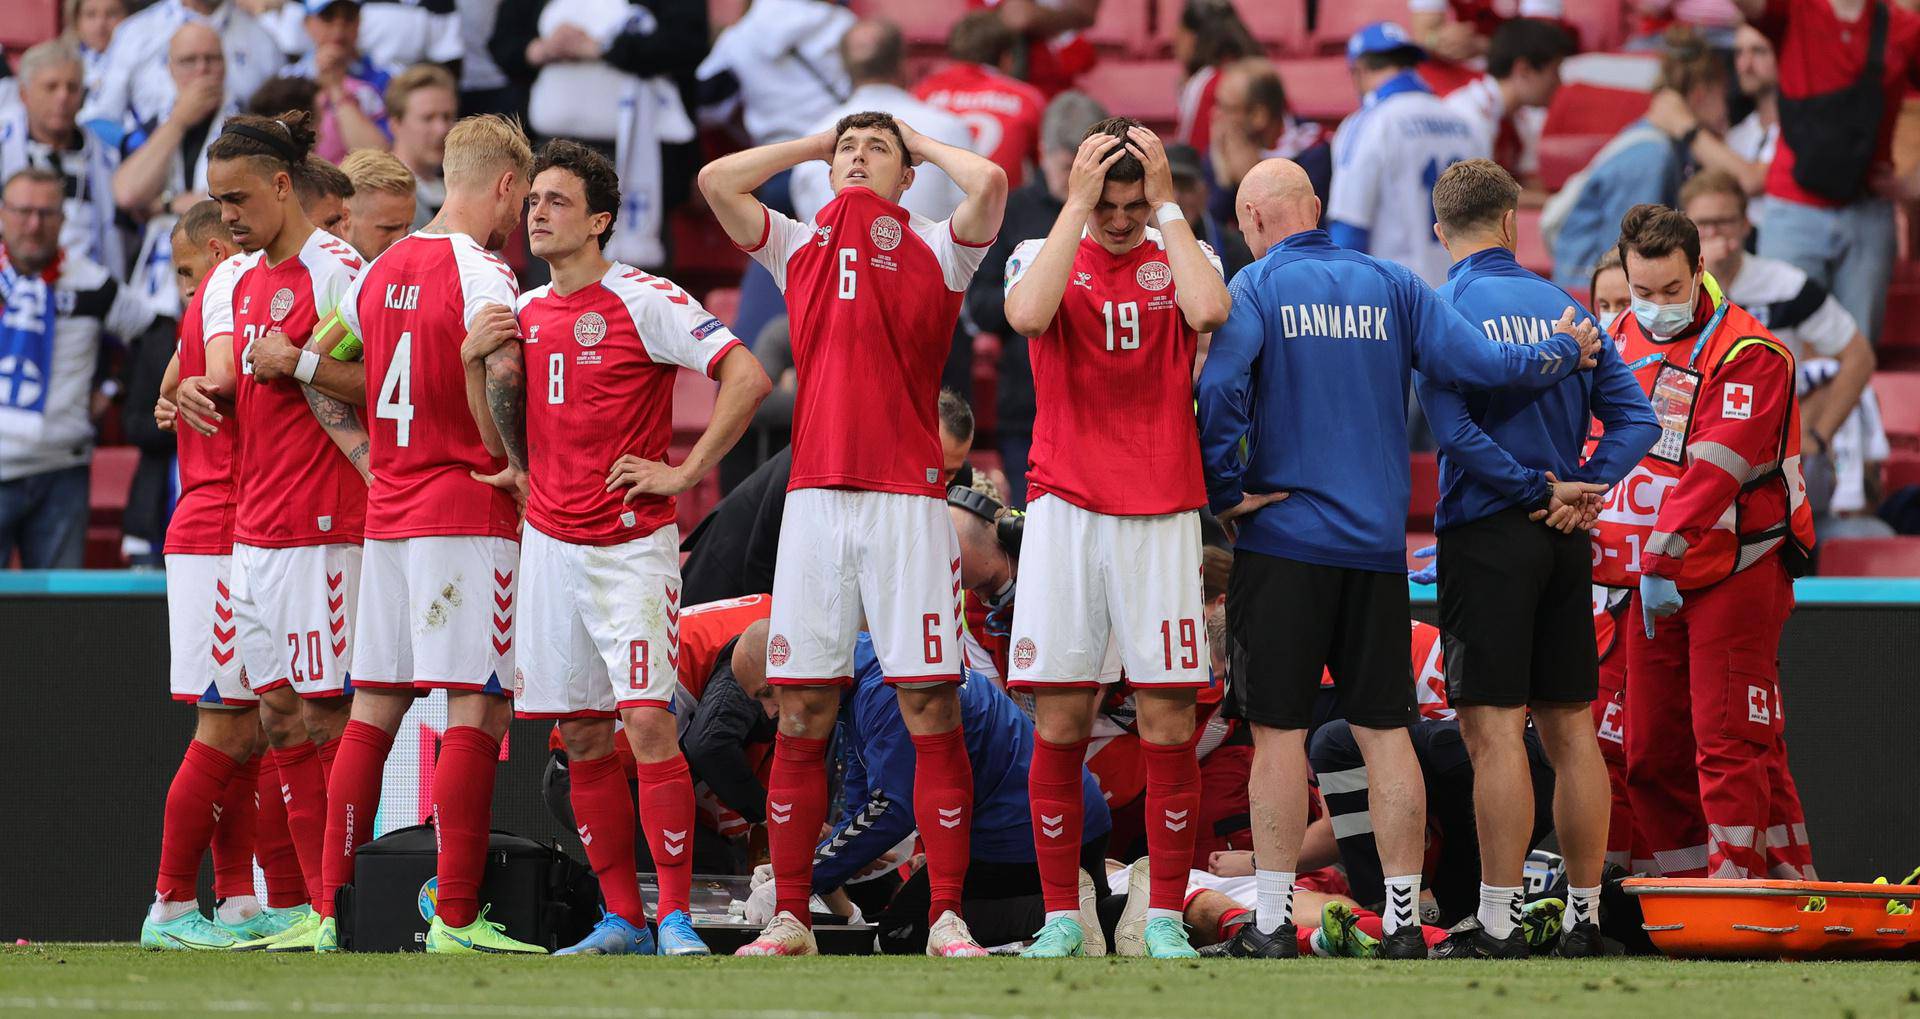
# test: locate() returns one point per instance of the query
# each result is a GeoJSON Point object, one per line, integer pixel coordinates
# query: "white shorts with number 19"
{"type": "Point", "coordinates": [885, 560]}
{"type": "Point", "coordinates": [600, 625]}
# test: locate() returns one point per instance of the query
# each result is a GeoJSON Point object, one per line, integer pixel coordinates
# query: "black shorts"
{"type": "Point", "coordinates": [1516, 613]}
{"type": "Point", "coordinates": [1288, 621]}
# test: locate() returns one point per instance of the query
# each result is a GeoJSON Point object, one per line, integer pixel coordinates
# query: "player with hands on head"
{"type": "Point", "coordinates": [1114, 300]}
{"type": "Point", "coordinates": [600, 566]}
{"type": "Point", "coordinates": [873, 293]}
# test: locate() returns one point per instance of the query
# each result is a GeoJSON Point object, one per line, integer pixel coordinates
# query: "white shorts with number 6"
{"type": "Point", "coordinates": [297, 608]}
{"type": "Point", "coordinates": [845, 556]}
{"type": "Point", "coordinates": [1090, 580]}
{"type": "Point", "coordinates": [599, 626]}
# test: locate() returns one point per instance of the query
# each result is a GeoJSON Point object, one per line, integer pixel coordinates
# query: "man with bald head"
{"type": "Point", "coordinates": [1303, 437]}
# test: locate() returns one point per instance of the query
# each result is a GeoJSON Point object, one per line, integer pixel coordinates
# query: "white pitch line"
{"type": "Point", "coordinates": [486, 1011]}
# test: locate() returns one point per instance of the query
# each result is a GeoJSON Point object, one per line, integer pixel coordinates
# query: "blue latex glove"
{"type": "Point", "coordinates": [1658, 597]}
{"type": "Point", "coordinates": [1432, 570]}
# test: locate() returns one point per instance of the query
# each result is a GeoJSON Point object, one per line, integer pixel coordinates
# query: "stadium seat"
{"type": "Point", "coordinates": [1122, 25]}
{"type": "Point", "coordinates": [1146, 89]}
{"type": "Point", "coordinates": [1426, 491]}
{"type": "Point", "coordinates": [1870, 557]}
{"type": "Point", "coordinates": [1533, 253]}
{"type": "Point", "coordinates": [1899, 345]}
{"type": "Point", "coordinates": [1901, 470]}
{"type": "Point", "coordinates": [1601, 24]}
{"type": "Point", "coordinates": [1417, 540]}
{"type": "Point", "coordinates": [1580, 122]}
{"type": "Point", "coordinates": [724, 304]}
{"type": "Point", "coordinates": [1281, 26]}
{"type": "Point", "coordinates": [1339, 19]}
{"type": "Point", "coordinates": [28, 23]}
{"type": "Point", "coordinates": [924, 24]}
{"type": "Point", "coordinates": [1318, 88]}
{"type": "Point", "coordinates": [1899, 396]}
{"type": "Point", "coordinates": [693, 395]}
{"type": "Point", "coordinates": [110, 477]}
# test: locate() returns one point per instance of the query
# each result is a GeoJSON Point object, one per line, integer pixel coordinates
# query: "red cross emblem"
{"type": "Point", "coordinates": [1736, 401]}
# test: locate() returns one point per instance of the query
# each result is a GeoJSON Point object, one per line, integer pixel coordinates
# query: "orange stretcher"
{"type": "Point", "coordinates": [1719, 918]}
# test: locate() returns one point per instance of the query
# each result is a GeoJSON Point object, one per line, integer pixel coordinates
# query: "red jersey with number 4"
{"type": "Point", "coordinates": [411, 310]}
{"type": "Point", "coordinates": [873, 293]}
{"type": "Point", "coordinates": [296, 487]}
{"type": "Point", "coordinates": [1120, 335]}
{"type": "Point", "coordinates": [601, 363]}
{"type": "Point", "coordinates": [1002, 112]}
{"type": "Point", "coordinates": [202, 521]}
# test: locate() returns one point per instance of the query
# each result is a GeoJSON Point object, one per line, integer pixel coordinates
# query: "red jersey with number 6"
{"type": "Point", "coordinates": [202, 521]}
{"type": "Point", "coordinates": [1119, 334]}
{"type": "Point", "coordinates": [295, 486]}
{"type": "Point", "coordinates": [410, 310]}
{"type": "Point", "coordinates": [601, 364]}
{"type": "Point", "coordinates": [873, 293]}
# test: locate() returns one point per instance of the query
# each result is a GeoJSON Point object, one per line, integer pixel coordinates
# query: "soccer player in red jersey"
{"type": "Point", "coordinates": [1002, 111]}
{"type": "Point", "coordinates": [600, 563]}
{"type": "Point", "coordinates": [300, 502]}
{"type": "Point", "coordinates": [441, 550]}
{"type": "Point", "coordinates": [873, 293]}
{"type": "Point", "coordinates": [205, 810]}
{"type": "Point", "coordinates": [1116, 307]}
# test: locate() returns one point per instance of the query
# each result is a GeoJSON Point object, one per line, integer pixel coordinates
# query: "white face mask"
{"type": "Point", "coordinates": [1607, 319]}
{"type": "Point", "coordinates": [1665, 320]}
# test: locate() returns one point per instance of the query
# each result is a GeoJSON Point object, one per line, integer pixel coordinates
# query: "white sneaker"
{"type": "Point", "coordinates": [1093, 940]}
{"type": "Point", "coordinates": [951, 939]}
{"type": "Point", "coordinates": [1130, 935]}
{"type": "Point", "coordinates": [786, 935]}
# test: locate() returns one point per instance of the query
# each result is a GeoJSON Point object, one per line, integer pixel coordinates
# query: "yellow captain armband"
{"type": "Point", "coordinates": [339, 341]}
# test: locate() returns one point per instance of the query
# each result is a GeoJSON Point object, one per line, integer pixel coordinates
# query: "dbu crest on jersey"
{"type": "Point", "coordinates": [885, 233]}
{"type": "Point", "coordinates": [778, 651]}
{"type": "Point", "coordinates": [1023, 652]}
{"type": "Point", "coordinates": [589, 329]}
{"type": "Point", "coordinates": [1153, 276]}
{"type": "Point", "coordinates": [282, 303]}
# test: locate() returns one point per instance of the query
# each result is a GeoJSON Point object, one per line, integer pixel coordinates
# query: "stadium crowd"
{"type": "Point", "coordinates": [1134, 762]}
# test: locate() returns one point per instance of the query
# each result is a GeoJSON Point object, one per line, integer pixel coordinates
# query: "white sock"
{"type": "Point", "coordinates": [1499, 909]}
{"type": "Point", "coordinates": [162, 911]}
{"type": "Point", "coordinates": [1055, 914]}
{"type": "Point", "coordinates": [1583, 905]}
{"type": "Point", "coordinates": [237, 909]}
{"type": "Point", "coordinates": [1273, 905]}
{"type": "Point", "coordinates": [1403, 903]}
{"type": "Point", "coordinates": [1154, 912]}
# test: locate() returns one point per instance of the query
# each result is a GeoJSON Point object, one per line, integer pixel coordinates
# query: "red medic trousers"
{"type": "Point", "coordinates": [1706, 764]}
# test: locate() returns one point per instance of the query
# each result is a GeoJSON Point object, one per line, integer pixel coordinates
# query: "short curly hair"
{"type": "Point", "coordinates": [596, 173]}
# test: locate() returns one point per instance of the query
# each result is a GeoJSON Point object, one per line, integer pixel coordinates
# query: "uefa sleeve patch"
{"type": "Point", "coordinates": [1736, 401]}
{"type": "Point", "coordinates": [707, 328]}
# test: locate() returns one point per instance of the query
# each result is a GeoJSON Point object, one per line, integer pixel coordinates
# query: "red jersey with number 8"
{"type": "Point", "coordinates": [1119, 336]}
{"type": "Point", "coordinates": [410, 310]}
{"type": "Point", "coordinates": [601, 364]}
{"type": "Point", "coordinates": [873, 293]}
{"type": "Point", "coordinates": [295, 486]}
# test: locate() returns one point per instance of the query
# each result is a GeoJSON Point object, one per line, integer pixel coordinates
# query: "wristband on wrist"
{"type": "Point", "coordinates": [309, 363]}
{"type": "Point", "coordinates": [1167, 213]}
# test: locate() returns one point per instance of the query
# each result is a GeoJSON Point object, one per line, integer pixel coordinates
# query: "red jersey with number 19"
{"type": "Point", "coordinates": [873, 293]}
{"type": "Point", "coordinates": [1120, 334]}
{"type": "Point", "coordinates": [410, 310]}
{"type": "Point", "coordinates": [202, 521]}
{"type": "Point", "coordinates": [601, 363]}
{"type": "Point", "coordinates": [296, 487]}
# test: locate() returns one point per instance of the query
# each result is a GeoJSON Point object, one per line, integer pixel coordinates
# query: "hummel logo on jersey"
{"type": "Point", "coordinates": [586, 838]}
{"type": "Point", "coordinates": [779, 813]}
{"type": "Point", "coordinates": [403, 297]}
{"type": "Point", "coordinates": [675, 841]}
{"type": "Point", "coordinates": [1052, 827]}
{"type": "Point", "coordinates": [950, 817]}
{"type": "Point", "coordinates": [1176, 820]}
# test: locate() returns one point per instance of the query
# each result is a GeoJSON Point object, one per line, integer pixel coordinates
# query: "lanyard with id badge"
{"type": "Point", "coordinates": [1675, 388]}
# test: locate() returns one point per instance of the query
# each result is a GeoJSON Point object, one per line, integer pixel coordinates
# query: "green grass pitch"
{"type": "Point", "coordinates": [122, 980]}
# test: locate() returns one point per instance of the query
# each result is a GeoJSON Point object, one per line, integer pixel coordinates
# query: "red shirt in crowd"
{"type": "Point", "coordinates": [1002, 112]}
{"type": "Point", "coordinates": [1820, 53]}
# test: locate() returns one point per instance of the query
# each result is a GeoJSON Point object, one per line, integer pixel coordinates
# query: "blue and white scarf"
{"type": "Point", "coordinates": [27, 314]}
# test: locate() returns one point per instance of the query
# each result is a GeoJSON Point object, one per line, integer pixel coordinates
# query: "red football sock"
{"type": "Point", "coordinates": [273, 843]}
{"type": "Point", "coordinates": [1173, 801]}
{"type": "Point", "coordinates": [1231, 921]}
{"type": "Point", "coordinates": [305, 789]}
{"type": "Point", "coordinates": [353, 795]}
{"type": "Point", "coordinates": [462, 807]}
{"type": "Point", "coordinates": [328, 751]}
{"type": "Point", "coordinates": [1059, 814]}
{"type": "Point", "coordinates": [796, 807]}
{"type": "Point", "coordinates": [187, 827]}
{"type": "Point", "coordinates": [943, 808]}
{"type": "Point", "coordinates": [233, 832]}
{"type": "Point", "coordinates": [603, 811]}
{"type": "Point", "coordinates": [666, 812]}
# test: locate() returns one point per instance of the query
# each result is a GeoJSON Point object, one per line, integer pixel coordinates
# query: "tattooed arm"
{"type": "Point", "coordinates": [506, 386]}
{"type": "Point", "coordinates": [343, 425]}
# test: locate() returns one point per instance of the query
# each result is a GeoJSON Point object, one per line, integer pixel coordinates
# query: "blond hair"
{"type": "Point", "coordinates": [412, 80]}
{"type": "Point", "coordinates": [375, 170]}
{"type": "Point", "coordinates": [484, 146]}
